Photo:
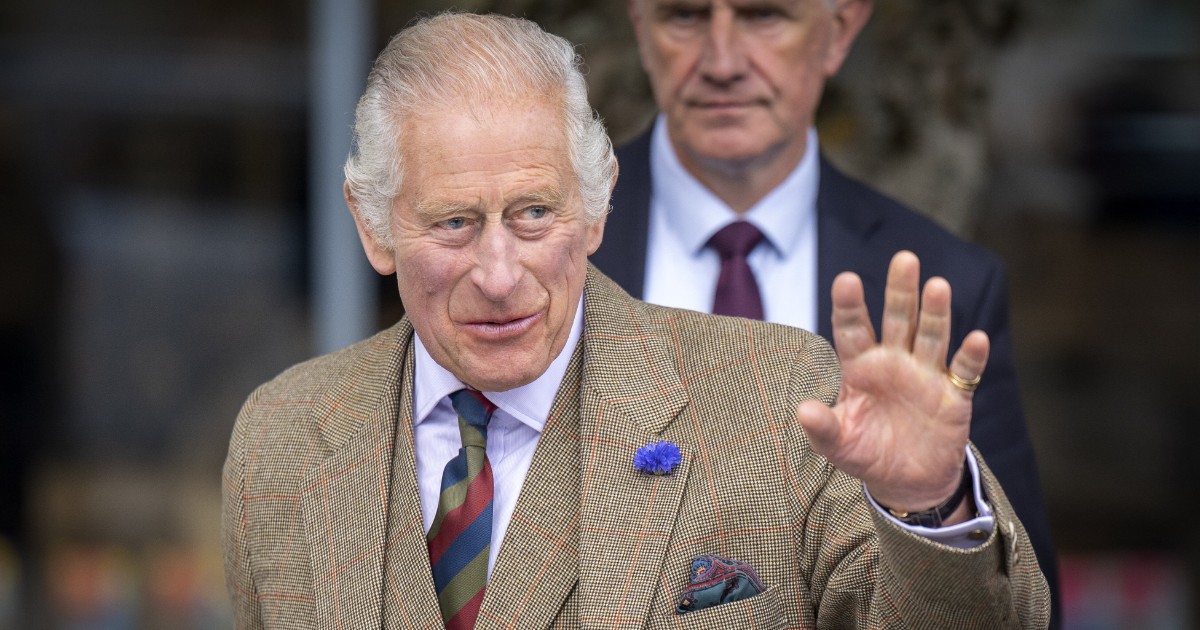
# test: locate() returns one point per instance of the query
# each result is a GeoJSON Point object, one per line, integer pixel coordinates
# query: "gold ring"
{"type": "Point", "coordinates": [962, 383]}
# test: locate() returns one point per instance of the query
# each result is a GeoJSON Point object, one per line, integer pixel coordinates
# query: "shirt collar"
{"type": "Point", "coordinates": [694, 213]}
{"type": "Point", "coordinates": [530, 404]}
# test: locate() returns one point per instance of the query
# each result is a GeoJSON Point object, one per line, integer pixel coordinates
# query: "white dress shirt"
{"type": "Point", "coordinates": [682, 272]}
{"type": "Point", "coordinates": [512, 433]}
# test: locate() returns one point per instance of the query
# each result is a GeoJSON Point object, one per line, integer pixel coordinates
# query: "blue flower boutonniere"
{"type": "Point", "coordinates": [657, 458]}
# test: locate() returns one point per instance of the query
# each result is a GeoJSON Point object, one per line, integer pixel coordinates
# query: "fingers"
{"type": "Point", "coordinates": [971, 359]}
{"type": "Point", "coordinates": [900, 301]}
{"type": "Point", "coordinates": [821, 425]}
{"type": "Point", "coordinates": [853, 333]}
{"type": "Point", "coordinates": [933, 329]}
{"type": "Point", "coordinates": [913, 321]}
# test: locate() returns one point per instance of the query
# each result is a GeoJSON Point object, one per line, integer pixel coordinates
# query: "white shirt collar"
{"type": "Point", "coordinates": [529, 403]}
{"type": "Point", "coordinates": [694, 213]}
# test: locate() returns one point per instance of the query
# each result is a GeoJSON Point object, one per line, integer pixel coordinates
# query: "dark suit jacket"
{"type": "Point", "coordinates": [322, 520]}
{"type": "Point", "coordinates": [859, 230]}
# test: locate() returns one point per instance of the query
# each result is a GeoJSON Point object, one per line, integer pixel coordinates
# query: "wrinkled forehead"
{"type": "Point", "coordinates": [494, 106]}
{"type": "Point", "coordinates": [473, 123]}
{"type": "Point", "coordinates": [518, 142]}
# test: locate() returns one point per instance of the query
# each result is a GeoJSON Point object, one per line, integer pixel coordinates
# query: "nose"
{"type": "Point", "coordinates": [498, 268]}
{"type": "Point", "coordinates": [722, 61]}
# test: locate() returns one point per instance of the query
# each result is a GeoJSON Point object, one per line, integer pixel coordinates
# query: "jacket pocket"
{"type": "Point", "coordinates": [761, 611]}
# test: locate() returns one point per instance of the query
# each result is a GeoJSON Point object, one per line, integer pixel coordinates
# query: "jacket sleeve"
{"type": "Point", "coordinates": [863, 571]}
{"type": "Point", "coordinates": [998, 426]}
{"type": "Point", "coordinates": [234, 533]}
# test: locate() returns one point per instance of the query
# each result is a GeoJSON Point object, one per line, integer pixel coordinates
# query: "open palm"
{"type": "Point", "coordinates": [899, 424]}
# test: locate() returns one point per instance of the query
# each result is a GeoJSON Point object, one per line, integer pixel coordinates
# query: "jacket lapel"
{"type": "Point", "coordinates": [623, 255]}
{"type": "Point", "coordinates": [345, 497]}
{"type": "Point", "coordinates": [409, 595]}
{"type": "Point", "coordinates": [844, 225]}
{"type": "Point", "coordinates": [631, 393]}
{"type": "Point", "coordinates": [538, 564]}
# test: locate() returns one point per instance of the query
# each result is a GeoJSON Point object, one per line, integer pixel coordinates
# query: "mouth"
{"type": "Point", "coordinates": [720, 104]}
{"type": "Point", "coordinates": [723, 105]}
{"type": "Point", "coordinates": [504, 329]}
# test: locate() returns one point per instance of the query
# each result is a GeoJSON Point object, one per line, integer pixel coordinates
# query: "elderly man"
{"type": "Point", "coordinates": [530, 447]}
{"type": "Point", "coordinates": [726, 205]}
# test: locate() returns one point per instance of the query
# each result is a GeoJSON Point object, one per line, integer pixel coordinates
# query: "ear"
{"type": "Point", "coordinates": [849, 18]}
{"type": "Point", "coordinates": [633, 8]}
{"type": "Point", "coordinates": [380, 256]}
{"type": "Point", "coordinates": [595, 234]}
{"type": "Point", "coordinates": [636, 13]}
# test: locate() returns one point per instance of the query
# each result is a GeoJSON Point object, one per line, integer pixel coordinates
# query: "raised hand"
{"type": "Point", "coordinates": [902, 419]}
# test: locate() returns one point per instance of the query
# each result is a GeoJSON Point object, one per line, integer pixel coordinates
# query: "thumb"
{"type": "Point", "coordinates": [822, 426]}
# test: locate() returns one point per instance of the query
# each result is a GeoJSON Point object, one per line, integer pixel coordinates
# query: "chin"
{"type": "Point", "coordinates": [503, 381]}
{"type": "Point", "coordinates": [729, 146]}
{"type": "Point", "coordinates": [731, 160]}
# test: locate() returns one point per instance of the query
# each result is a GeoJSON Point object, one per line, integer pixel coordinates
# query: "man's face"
{"type": "Point", "coordinates": [740, 80]}
{"type": "Point", "coordinates": [490, 240]}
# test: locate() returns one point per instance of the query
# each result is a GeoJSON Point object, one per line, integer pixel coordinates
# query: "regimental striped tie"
{"type": "Point", "coordinates": [462, 530]}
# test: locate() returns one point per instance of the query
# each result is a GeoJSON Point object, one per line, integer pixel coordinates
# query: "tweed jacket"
{"type": "Point", "coordinates": [322, 525]}
{"type": "Point", "coordinates": [859, 230]}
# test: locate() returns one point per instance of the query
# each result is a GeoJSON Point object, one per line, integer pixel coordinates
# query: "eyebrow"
{"type": "Point", "coordinates": [434, 208]}
{"type": "Point", "coordinates": [550, 196]}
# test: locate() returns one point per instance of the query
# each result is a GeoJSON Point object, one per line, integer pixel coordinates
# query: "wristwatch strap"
{"type": "Point", "coordinates": [935, 516]}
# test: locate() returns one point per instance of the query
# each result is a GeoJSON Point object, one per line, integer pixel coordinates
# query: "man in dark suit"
{"type": "Point", "coordinates": [738, 85]}
{"type": "Point", "coordinates": [530, 447]}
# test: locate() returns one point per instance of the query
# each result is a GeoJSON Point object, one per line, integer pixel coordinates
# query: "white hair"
{"type": "Point", "coordinates": [452, 57]}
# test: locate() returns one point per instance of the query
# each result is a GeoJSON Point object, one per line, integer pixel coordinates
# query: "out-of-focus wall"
{"type": "Point", "coordinates": [153, 273]}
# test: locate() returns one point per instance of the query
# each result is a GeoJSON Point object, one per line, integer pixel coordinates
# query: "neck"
{"type": "Point", "coordinates": [743, 183]}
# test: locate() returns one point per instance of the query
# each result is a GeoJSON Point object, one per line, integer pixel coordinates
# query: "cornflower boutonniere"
{"type": "Point", "coordinates": [657, 458]}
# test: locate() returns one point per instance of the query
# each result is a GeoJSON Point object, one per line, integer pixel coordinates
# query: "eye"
{"type": "Point", "coordinates": [532, 221]}
{"type": "Point", "coordinates": [453, 224]}
{"type": "Point", "coordinates": [762, 14]}
{"type": "Point", "coordinates": [683, 15]}
{"type": "Point", "coordinates": [686, 15]}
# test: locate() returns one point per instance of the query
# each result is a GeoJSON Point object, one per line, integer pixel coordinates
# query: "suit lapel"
{"type": "Point", "coordinates": [631, 393]}
{"type": "Point", "coordinates": [409, 595]}
{"type": "Point", "coordinates": [344, 498]}
{"type": "Point", "coordinates": [844, 225]}
{"type": "Point", "coordinates": [623, 254]}
{"type": "Point", "coordinates": [538, 564]}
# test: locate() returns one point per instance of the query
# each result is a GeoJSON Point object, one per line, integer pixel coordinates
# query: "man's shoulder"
{"type": "Point", "coordinates": [694, 337]}
{"type": "Point", "coordinates": [304, 384]}
{"type": "Point", "coordinates": [888, 222]}
{"type": "Point", "coordinates": [717, 329]}
{"type": "Point", "coordinates": [633, 185]}
{"type": "Point", "coordinates": [636, 148]}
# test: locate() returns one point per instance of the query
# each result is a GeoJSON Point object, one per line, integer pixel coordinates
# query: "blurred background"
{"type": "Point", "coordinates": [173, 235]}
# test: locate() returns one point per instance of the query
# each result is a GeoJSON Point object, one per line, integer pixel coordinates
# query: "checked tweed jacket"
{"type": "Point", "coordinates": [859, 230]}
{"type": "Point", "coordinates": [322, 525]}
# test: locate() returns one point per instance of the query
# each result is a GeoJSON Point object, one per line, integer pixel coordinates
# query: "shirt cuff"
{"type": "Point", "coordinates": [966, 535]}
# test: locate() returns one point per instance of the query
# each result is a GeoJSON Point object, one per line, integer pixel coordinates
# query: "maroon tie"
{"type": "Point", "coordinates": [737, 292]}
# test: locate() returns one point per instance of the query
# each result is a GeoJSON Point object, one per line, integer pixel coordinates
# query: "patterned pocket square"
{"type": "Point", "coordinates": [716, 580]}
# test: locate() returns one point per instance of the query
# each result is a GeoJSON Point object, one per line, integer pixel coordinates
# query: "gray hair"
{"type": "Point", "coordinates": [452, 57]}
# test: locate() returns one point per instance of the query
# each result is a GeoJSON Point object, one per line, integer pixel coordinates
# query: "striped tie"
{"type": "Point", "coordinates": [462, 530]}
